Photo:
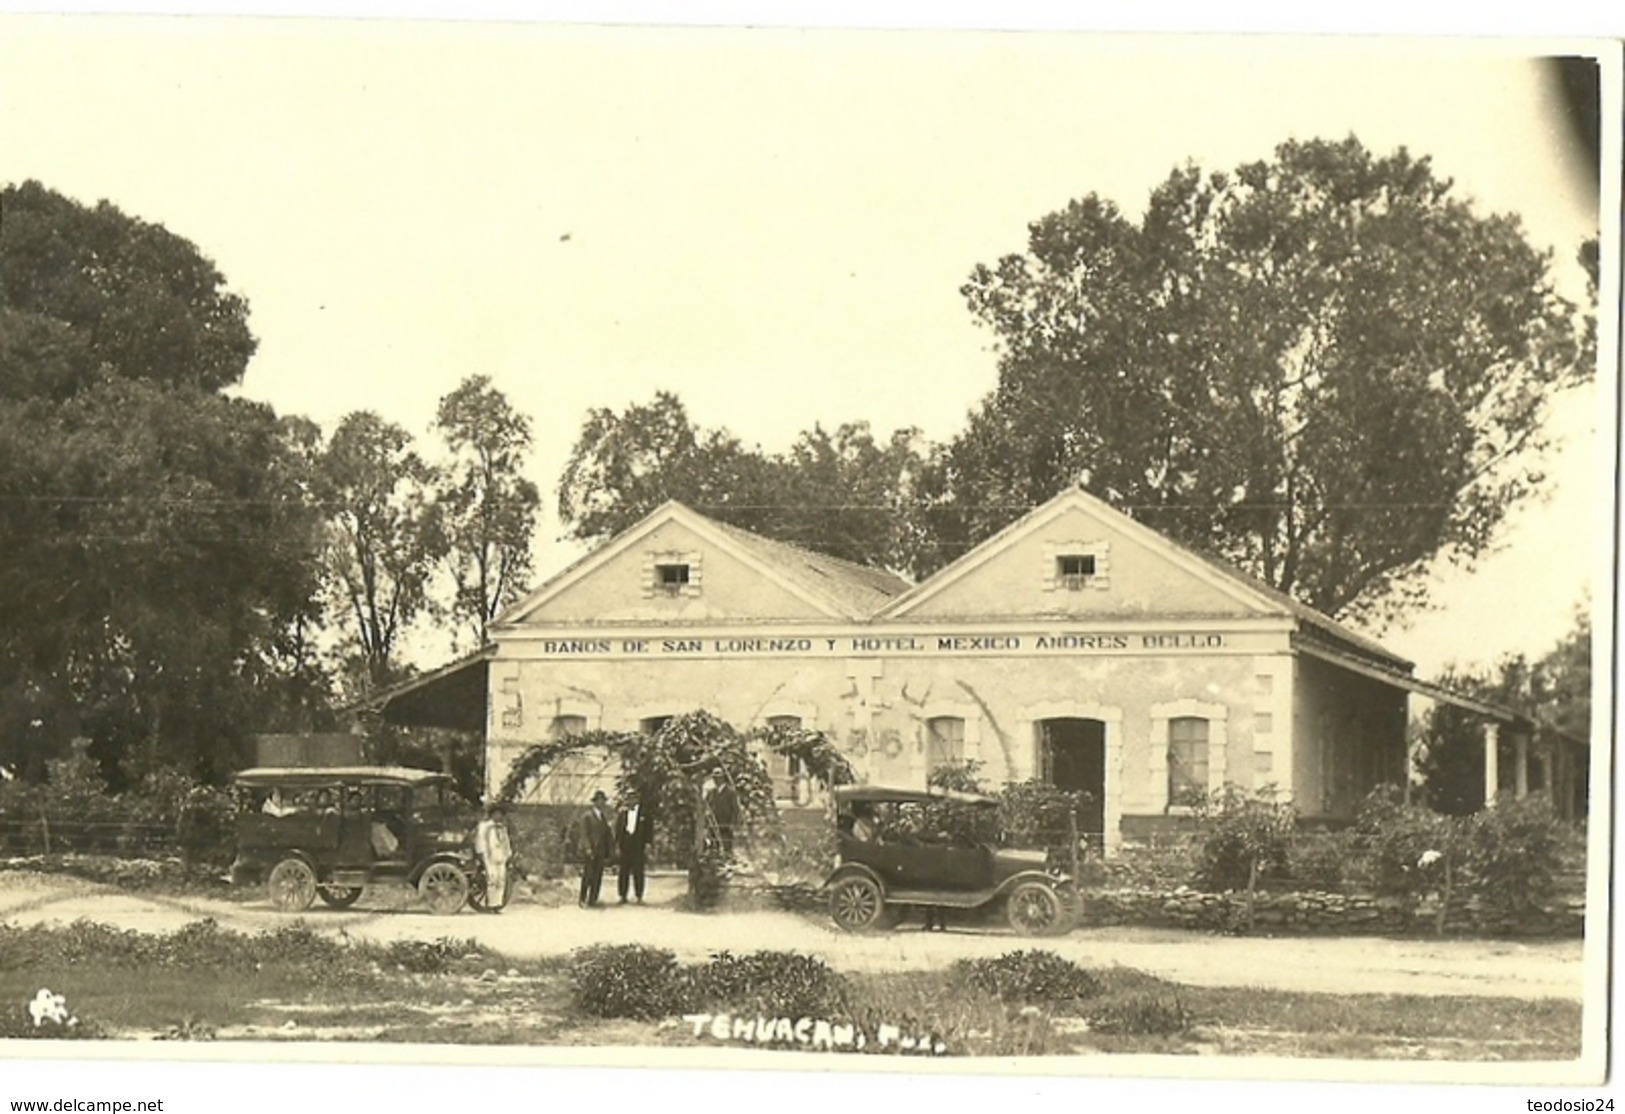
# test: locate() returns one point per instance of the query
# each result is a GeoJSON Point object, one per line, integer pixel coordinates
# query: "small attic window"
{"type": "Point", "coordinates": [671, 579]}
{"type": "Point", "coordinates": [1073, 570]}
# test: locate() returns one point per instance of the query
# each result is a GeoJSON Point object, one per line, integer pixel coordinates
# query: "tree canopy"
{"type": "Point", "coordinates": [159, 562]}
{"type": "Point", "coordinates": [1326, 368]}
{"type": "Point", "coordinates": [844, 493]}
{"type": "Point", "coordinates": [487, 507]}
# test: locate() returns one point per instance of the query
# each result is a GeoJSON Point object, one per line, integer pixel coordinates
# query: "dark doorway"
{"type": "Point", "coordinates": [1072, 756]}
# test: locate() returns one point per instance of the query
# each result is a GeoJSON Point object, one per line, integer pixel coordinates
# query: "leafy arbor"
{"type": "Point", "coordinates": [1326, 368]}
{"type": "Point", "coordinates": [668, 770]}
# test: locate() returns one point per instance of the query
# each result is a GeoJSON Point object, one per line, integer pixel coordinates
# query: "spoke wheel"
{"type": "Point", "coordinates": [339, 897]}
{"type": "Point", "coordinates": [292, 885]}
{"type": "Point", "coordinates": [1035, 909]}
{"type": "Point", "coordinates": [444, 888]}
{"type": "Point", "coordinates": [856, 904]}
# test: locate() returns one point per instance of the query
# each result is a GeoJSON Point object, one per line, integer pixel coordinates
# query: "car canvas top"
{"type": "Point", "coordinates": [289, 776]}
{"type": "Point", "coordinates": [846, 794]}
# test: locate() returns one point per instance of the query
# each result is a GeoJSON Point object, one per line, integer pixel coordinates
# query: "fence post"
{"type": "Point", "coordinates": [1072, 841]}
{"type": "Point", "coordinates": [45, 831]}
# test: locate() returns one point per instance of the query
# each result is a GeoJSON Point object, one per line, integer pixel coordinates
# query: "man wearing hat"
{"type": "Point", "coordinates": [597, 846]}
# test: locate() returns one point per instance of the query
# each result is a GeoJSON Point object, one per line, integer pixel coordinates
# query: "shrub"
{"type": "Point", "coordinates": [1392, 841]}
{"type": "Point", "coordinates": [1034, 814]}
{"type": "Point", "coordinates": [1512, 852]}
{"type": "Point", "coordinates": [1321, 862]}
{"type": "Point", "coordinates": [772, 983]}
{"type": "Point", "coordinates": [429, 957]}
{"type": "Point", "coordinates": [1142, 1014]}
{"type": "Point", "coordinates": [1242, 838]}
{"type": "Point", "coordinates": [625, 980]}
{"type": "Point", "coordinates": [1031, 976]}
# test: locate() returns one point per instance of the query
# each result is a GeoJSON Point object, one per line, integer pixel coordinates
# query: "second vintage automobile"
{"type": "Point", "coordinates": [892, 855]}
{"type": "Point", "coordinates": [328, 833]}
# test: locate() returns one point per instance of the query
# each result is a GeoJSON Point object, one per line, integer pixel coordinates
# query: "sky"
{"type": "Point", "coordinates": [772, 223]}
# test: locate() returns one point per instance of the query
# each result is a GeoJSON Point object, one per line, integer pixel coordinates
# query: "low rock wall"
{"type": "Point", "coordinates": [1330, 913]}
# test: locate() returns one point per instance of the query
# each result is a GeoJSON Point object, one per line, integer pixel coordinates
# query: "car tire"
{"type": "Point", "coordinates": [444, 888]}
{"type": "Point", "coordinates": [339, 897]}
{"type": "Point", "coordinates": [856, 904]}
{"type": "Point", "coordinates": [292, 886]}
{"type": "Point", "coordinates": [1035, 909]}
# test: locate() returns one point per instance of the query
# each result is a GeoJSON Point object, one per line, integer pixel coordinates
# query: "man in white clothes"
{"type": "Point", "coordinates": [494, 846]}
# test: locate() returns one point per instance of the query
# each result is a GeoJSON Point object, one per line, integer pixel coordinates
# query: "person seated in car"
{"type": "Point", "coordinates": [276, 805]}
{"type": "Point", "coordinates": [863, 827]}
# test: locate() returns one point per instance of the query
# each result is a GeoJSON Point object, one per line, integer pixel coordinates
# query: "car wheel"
{"type": "Point", "coordinates": [856, 904]}
{"type": "Point", "coordinates": [444, 888]}
{"type": "Point", "coordinates": [292, 885]}
{"type": "Point", "coordinates": [339, 897]}
{"type": "Point", "coordinates": [1035, 909]}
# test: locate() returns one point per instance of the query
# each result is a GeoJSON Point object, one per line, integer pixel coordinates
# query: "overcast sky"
{"type": "Point", "coordinates": [773, 224]}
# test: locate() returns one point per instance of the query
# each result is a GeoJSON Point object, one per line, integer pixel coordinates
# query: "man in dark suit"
{"type": "Point", "coordinates": [634, 828]}
{"type": "Point", "coordinates": [597, 846]}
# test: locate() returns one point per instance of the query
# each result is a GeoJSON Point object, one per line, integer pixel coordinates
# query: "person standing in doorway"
{"type": "Point", "coordinates": [723, 802]}
{"type": "Point", "coordinates": [634, 828]}
{"type": "Point", "coordinates": [494, 846]}
{"type": "Point", "coordinates": [597, 845]}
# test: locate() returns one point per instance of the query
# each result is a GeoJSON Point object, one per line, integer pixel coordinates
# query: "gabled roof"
{"type": "Point", "coordinates": [858, 588]}
{"type": "Point", "coordinates": [839, 589]}
{"type": "Point", "coordinates": [1246, 590]}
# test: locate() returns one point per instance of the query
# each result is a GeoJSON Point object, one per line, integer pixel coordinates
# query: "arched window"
{"type": "Point", "coordinates": [1188, 750]}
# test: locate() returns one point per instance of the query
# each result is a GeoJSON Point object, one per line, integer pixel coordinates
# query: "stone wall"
{"type": "Point", "coordinates": [1319, 912]}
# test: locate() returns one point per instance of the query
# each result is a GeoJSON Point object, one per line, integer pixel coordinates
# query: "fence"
{"type": "Point", "coordinates": [46, 835]}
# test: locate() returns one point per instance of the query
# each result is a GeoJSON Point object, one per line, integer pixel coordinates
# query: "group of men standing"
{"type": "Point", "coordinates": [624, 840]}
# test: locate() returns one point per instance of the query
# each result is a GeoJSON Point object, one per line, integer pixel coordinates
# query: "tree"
{"type": "Point", "coordinates": [842, 493]}
{"type": "Point", "coordinates": [384, 540]}
{"type": "Point", "coordinates": [108, 294]}
{"type": "Point", "coordinates": [487, 506]}
{"type": "Point", "coordinates": [159, 547]}
{"type": "Point", "coordinates": [1554, 691]}
{"type": "Point", "coordinates": [1326, 368]}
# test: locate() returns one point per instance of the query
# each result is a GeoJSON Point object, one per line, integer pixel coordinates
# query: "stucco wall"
{"type": "Point", "coordinates": [1140, 582]}
{"type": "Point", "coordinates": [727, 589]}
{"type": "Point", "coordinates": [877, 708]}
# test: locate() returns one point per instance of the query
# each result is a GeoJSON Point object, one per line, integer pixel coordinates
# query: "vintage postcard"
{"type": "Point", "coordinates": [965, 558]}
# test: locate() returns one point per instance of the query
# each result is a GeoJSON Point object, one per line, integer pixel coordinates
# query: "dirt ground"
{"type": "Point", "coordinates": [549, 923]}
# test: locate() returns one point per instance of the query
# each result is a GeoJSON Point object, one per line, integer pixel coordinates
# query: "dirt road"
{"type": "Point", "coordinates": [1541, 969]}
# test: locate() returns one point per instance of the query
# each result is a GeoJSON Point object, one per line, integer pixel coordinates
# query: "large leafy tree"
{"type": "Point", "coordinates": [844, 492]}
{"type": "Point", "coordinates": [1554, 691]}
{"type": "Point", "coordinates": [486, 504]}
{"type": "Point", "coordinates": [158, 566]}
{"type": "Point", "coordinates": [1327, 368]}
{"type": "Point", "coordinates": [384, 540]}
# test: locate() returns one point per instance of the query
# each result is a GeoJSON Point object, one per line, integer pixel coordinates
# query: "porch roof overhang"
{"type": "Point", "coordinates": [452, 697]}
{"type": "Point", "coordinates": [1412, 684]}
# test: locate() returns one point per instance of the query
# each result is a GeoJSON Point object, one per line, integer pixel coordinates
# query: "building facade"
{"type": "Point", "coordinates": [1076, 646]}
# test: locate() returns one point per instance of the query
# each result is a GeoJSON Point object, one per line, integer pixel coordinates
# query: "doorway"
{"type": "Point", "coordinates": [1072, 756]}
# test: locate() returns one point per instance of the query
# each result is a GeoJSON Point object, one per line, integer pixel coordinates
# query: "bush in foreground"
{"type": "Point", "coordinates": [1029, 977]}
{"type": "Point", "coordinates": [625, 980]}
{"type": "Point", "coordinates": [771, 983]}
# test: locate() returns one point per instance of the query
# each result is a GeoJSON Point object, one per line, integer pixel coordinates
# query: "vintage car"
{"type": "Point", "coordinates": [309, 833]}
{"type": "Point", "coordinates": [894, 853]}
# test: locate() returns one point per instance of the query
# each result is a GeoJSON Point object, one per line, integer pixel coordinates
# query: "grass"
{"type": "Point", "coordinates": [207, 983]}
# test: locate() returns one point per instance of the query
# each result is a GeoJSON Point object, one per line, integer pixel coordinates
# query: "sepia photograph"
{"type": "Point", "coordinates": [551, 560]}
